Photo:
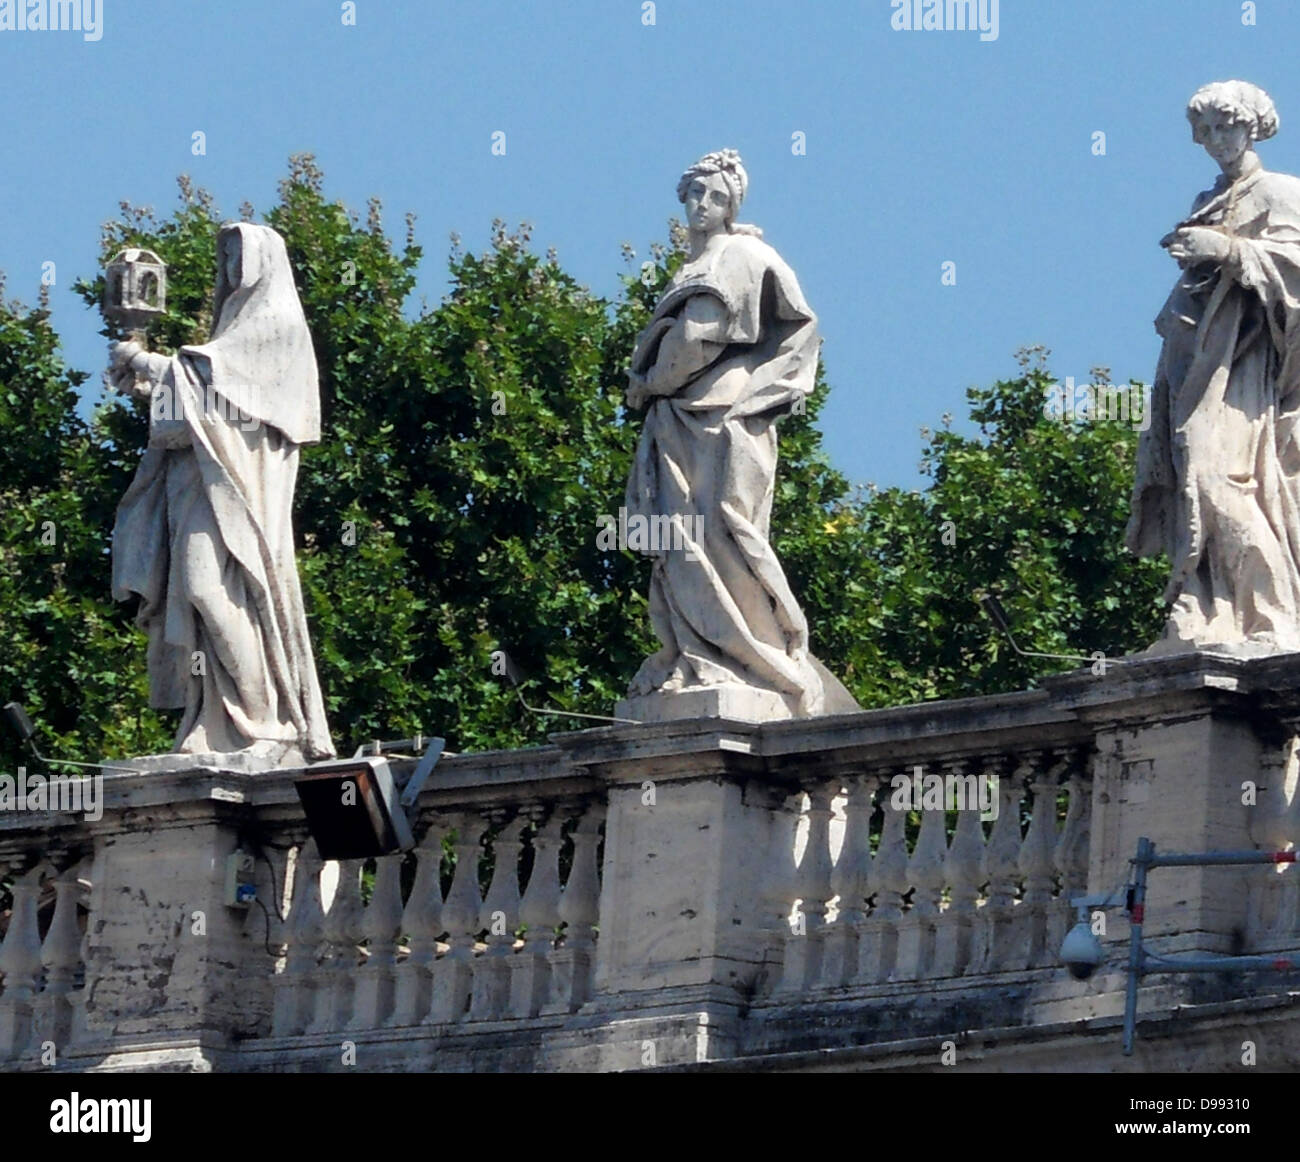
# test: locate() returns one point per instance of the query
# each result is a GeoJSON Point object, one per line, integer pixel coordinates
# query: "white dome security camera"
{"type": "Point", "coordinates": [1081, 951]}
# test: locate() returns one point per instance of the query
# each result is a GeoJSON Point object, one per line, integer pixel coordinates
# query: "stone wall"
{"type": "Point", "coordinates": [698, 894]}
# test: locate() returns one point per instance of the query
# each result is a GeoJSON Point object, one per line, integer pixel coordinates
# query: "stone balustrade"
{"type": "Point", "coordinates": [662, 894]}
{"type": "Point", "coordinates": [421, 958]}
{"type": "Point", "coordinates": [859, 902]}
{"type": "Point", "coordinates": [42, 965]}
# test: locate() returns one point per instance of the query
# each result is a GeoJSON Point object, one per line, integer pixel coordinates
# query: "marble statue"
{"type": "Point", "coordinates": [731, 346]}
{"type": "Point", "coordinates": [1218, 472]}
{"type": "Point", "coordinates": [204, 535]}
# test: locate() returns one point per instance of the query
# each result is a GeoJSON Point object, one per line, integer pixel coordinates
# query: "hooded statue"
{"type": "Point", "coordinates": [204, 535]}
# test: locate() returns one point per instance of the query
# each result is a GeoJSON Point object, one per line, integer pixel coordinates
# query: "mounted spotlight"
{"type": "Point", "coordinates": [358, 807]}
{"type": "Point", "coordinates": [998, 616]}
{"type": "Point", "coordinates": [22, 725]}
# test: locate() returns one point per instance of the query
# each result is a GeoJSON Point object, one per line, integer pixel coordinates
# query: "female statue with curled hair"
{"type": "Point", "coordinates": [731, 346]}
{"type": "Point", "coordinates": [1218, 473]}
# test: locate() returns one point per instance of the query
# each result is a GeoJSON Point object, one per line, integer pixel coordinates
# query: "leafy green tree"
{"type": "Point", "coordinates": [63, 641]}
{"type": "Point", "coordinates": [1031, 509]}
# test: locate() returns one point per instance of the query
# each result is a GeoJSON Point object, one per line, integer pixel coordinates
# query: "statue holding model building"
{"type": "Point", "coordinates": [204, 535]}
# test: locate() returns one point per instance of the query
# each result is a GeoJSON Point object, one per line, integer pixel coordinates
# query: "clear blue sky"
{"type": "Point", "coordinates": [922, 147]}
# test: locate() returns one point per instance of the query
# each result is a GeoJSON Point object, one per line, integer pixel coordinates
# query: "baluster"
{"type": "Point", "coordinates": [346, 910]}
{"type": "Point", "coordinates": [1000, 870]}
{"type": "Point", "coordinates": [539, 911]}
{"type": "Point", "coordinates": [270, 879]}
{"type": "Point", "coordinates": [916, 933]}
{"type": "Point", "coordinates": [1268, 894]}
{"type": "Point", "coordinates": [20, 964]}
{"type": "Point", "coordinates": [850, 881]}
{"type": "Point", "coordinates": [573, 961]}
{"type": "Point", "coordinates": [61, 956]}
{"type": "Point", "coordinates": [453, 974]}
{"type": "Point", "coordinates": [90, 882]}
{"type": "Point", "coordinates": [295, 986]}
{"type": "Point", "coordinates": [803, 946]}
{"type": "Point", "coordinates": [878, 954]}
{"type": "Point", "coordinates": [338, 965]}
{"type": "Point", "coordinates": [1071, 857]}
{"type": "Point", "coordinates": [500, 916]}
{"type": "Point", "coordinates": [1035, 864]}
{"type": "Point", "coordinates": [381, 925]}
{"type": "Point", "coordinates": [422, 923]}
{"type": "Point", "coordinates": [778, 889]}
{"type": "Point", "coordinates": [961, 874]}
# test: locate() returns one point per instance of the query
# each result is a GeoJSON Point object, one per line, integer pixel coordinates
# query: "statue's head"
{"type": "Point", "coordinates": [712, 191]}
{"type": "Point", "coordinates": [249, 257]}
{"type": "Point", "coordinates": [1228, 117]}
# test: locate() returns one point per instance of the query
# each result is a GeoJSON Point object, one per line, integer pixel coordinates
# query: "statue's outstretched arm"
{"type": "Point", "coordinates": [133, 370]}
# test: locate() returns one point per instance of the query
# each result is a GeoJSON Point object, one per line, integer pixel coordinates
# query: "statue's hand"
{"type": "Point", "coordinates": [1195, 244]}
{"type": "Point", "coordinates": [121, 354]}
{"type": "Point", "coordinates": [122, 379]}
{"type": "Point", "coordinates": [637, 390]}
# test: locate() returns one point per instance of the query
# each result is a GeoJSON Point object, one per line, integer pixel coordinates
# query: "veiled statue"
{"type": "Point", "coordinates": [204, 535]}
{"type": "Point", "coordinates": [731, 346]}
{"type": "Point", "coordinates": [1218, 474]}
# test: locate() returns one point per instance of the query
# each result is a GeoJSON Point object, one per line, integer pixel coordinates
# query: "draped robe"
{"type": "Point", "coordinates": [720, 603]}
{"type": "Point", "coordinates": [204, 535]}
{"type": "Point", "coordinates": [1218, 473]}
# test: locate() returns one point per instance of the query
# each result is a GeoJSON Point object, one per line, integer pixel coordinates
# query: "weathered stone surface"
{"type": "Point", "coordinates": [745, 910]}
{"type": "Point", "coordinates": [729, 700]}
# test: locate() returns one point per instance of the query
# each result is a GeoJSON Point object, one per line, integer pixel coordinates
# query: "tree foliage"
{"type": "Point", "coordinates": [1031, 509]}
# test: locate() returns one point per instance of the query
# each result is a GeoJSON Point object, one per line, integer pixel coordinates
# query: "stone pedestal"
{"type": "Point", "coordinates": [690, 833]}
{"type": "Point", "coordinates": [681, 881]}
{"type": "Point", "coordinates": [733, 702]}
{"type": "Point", "coordinates": [270, 756]}
{"type": "Point", "coordinates": [167, 962]}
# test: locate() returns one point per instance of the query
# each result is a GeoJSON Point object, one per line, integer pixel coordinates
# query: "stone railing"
{"type": "Point", "coordinates": [662, 894]}
{"type": "Point", "coordinates": [418, 960]}
{"type": "Point", "coordinates": [431, 951]}
{"type": "Point", "coordinates": [963, 897]}
{"type": "Point", "coordinates": [42, 964]}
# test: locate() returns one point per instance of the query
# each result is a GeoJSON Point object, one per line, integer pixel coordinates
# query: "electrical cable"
{"type": "Point", "coordinates": [266, 940]}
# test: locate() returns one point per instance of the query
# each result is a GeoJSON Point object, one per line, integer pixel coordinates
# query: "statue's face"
{"type": "Point", "coordinates": [1224, 139]}
{"type": "Point", "coordinates": [230, 257]}
{"type": "Point", "coordinates": [707, 202]}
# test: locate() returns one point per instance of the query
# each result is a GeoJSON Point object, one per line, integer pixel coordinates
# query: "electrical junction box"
{"type": "Point", "coordinates": [241, 890]}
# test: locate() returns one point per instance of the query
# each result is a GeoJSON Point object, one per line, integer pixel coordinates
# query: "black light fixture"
{"type": "Point", "coordinates": [22, 725]}
{"type": "Point", "coordinates": [998, 616]}
{"type": "Point", "coordinates": [359, 807]}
